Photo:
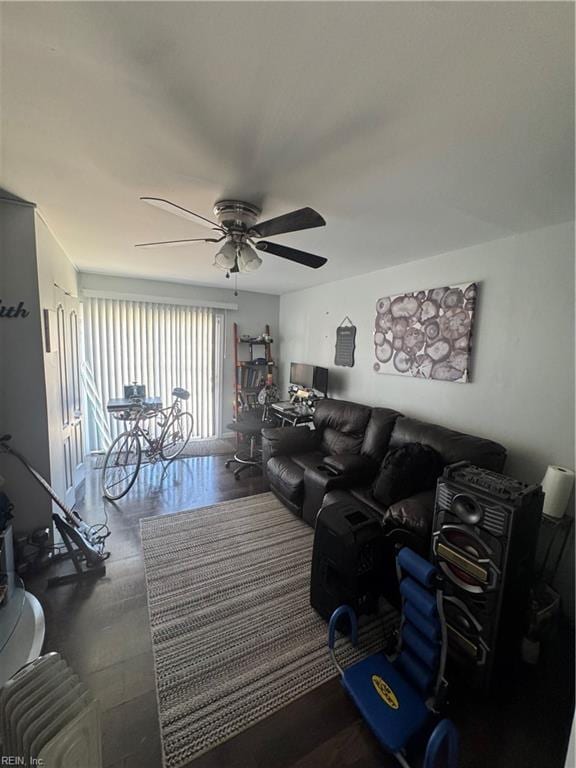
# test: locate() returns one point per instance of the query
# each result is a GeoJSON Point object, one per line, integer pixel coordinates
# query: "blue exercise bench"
{"type": "Point", "coordinates": [398, 696]}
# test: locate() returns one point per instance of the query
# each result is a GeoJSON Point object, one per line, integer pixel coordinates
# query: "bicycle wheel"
{"type": "Point", "coordinates": [177, 435]}
{"type": "Point", "coordinates": [121, 466]}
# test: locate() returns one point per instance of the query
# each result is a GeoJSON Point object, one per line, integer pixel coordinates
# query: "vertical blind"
{"type": "Point", "coordinates": [160, 345]}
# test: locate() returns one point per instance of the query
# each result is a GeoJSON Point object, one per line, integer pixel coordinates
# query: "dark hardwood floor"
{"type": "Point", "coordinates": [102, 630]}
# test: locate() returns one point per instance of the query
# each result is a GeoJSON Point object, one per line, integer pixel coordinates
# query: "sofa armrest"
{"type": "Point", "coordinates": [402, 537]}
{"type": "Point", "coordinates": [318, 481]}
{"type": "Point", "coordinates": [361, 469]}
{"type": "Point", "coordinates": [287, 441]}
{"type": "Point", "coordinates": [413, 516]}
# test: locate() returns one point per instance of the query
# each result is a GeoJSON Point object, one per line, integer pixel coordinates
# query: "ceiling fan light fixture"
{"type": "Point", "coordinates": [248, 259]}
{"type": "Point", "coordinates": [238, 225]}
{"type": "Point", "coordinates": [226, 256]}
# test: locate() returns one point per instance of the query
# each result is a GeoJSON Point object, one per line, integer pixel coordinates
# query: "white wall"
{"type": "Point", "coordinates": [255, 310]}
{"type": "Point", "coordinates": [54, 266]}
{"type": "Point", "coordinates": [522, 389]}
{"type": "Point", "coordinates": [22, 381]}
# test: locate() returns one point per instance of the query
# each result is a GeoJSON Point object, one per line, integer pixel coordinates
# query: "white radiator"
{"type": "Point", "coordinates": [48, 717]}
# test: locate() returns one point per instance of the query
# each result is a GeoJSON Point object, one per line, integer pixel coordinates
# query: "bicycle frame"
{"type": "Point", "coordinates": [165, 414]}
{"type": "Point", "coordinates": [166, 444]}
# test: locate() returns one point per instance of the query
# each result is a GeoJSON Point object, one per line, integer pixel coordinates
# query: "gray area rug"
{"type": "Point", "coordinates": [209, 447]}
{"type": "Point", "coordinates": [233, 633]}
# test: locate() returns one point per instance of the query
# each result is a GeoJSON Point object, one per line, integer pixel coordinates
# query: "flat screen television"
{"type": "Point", "coordinates": [309, 377]}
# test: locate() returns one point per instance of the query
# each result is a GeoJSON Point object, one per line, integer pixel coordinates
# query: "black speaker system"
{"type": "Point", "coordinates": [347, 560]}
{"type": "Point", "coordinates": [484, 541]}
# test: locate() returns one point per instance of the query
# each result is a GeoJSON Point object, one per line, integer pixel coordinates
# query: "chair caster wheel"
{"type": "Point", "coordinates": [236, 476]}
{"type": "Point", "coordinates": [227, 464]}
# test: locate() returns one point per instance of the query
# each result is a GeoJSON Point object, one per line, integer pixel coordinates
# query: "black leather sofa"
{"type": "Point", "coordinates": [340, 458]}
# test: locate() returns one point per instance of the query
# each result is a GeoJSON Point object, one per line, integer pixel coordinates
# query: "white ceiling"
{"type": "Point", "coordinates": [414, 128]}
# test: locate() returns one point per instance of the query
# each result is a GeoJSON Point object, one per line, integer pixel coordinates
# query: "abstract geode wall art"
{"type": "Point", "coordinates": [426, 334]}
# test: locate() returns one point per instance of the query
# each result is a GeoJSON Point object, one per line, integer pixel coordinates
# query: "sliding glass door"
{"type": "Point", "coordinates": [160, 345]}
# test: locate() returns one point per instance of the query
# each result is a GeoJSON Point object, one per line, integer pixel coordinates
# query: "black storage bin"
{"type": "Point", "coordinates": [347, 560]}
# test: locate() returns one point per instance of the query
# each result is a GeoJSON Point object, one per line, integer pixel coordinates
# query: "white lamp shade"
{"type": "Point", "coordinates": [248, 260]}
{"type": "Point", "coordinates": [226, 256]}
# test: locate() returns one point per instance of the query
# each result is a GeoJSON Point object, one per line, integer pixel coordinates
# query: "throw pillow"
{"type": "Point", "coordinates": [405, 471]}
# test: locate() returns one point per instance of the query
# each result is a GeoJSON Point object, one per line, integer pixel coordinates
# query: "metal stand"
{"type": "Point", "coordinates": [544, 600]}
{"type": "Point", "coordinates": [558, 525]}
{"type": "Point", "coordinates": [74, 553]}
{"type": "Point", "coordinates": [82, 545]}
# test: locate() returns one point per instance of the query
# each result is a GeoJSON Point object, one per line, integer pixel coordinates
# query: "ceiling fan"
{"type": "Point", "coordinates": [236, 226]}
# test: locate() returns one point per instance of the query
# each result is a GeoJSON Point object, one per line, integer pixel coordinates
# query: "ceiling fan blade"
{"type": "Point", "coordinates": [303, 218]}
{"type": "Point", "coordinates": [180, 242]}
{"type": "Point", "coordinates": [300, 257]}
{"type": "Point", "coordinates": [166, 205]}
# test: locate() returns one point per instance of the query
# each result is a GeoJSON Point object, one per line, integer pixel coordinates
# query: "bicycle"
{"type": "Point", "coordinates": [124, 457]}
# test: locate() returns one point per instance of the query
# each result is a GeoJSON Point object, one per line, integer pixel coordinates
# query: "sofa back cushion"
{"type": "Point", "coordinates": [378, 433]}
{"type": "Point", "coordinates": [342, 425]}
{"type": "Point", "coordinates": [452, 446]}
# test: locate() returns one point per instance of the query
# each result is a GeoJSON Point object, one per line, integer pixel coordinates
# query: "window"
{"type": "Point", "coordinates": [159, 345]}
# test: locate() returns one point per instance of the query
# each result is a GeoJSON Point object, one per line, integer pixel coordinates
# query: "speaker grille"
{"type": "Point", "coordinates": [445, 496]}
{"type": "Point", "coordinates": [495, 519]}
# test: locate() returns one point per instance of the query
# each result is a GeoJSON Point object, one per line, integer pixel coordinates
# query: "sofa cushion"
{"type": "Point", "coordinates": [378, 433]}
{"type": "Point", "coordinates": [287, 478]}
{"type": "Point", "coordinates": [451, 445]}
{"type": "Point", "coordinates": [342, 415]}
{"type": "Point", "coordinates": [337, 442]}
{"type": "Point", "coordinates": [407, 470]}
{"type": "Point", "coordinates": [342, 425]}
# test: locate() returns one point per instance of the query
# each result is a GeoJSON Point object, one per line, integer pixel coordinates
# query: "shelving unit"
{"type": "Point", "coordinates": [250, 375]}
